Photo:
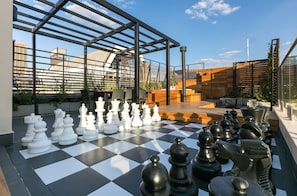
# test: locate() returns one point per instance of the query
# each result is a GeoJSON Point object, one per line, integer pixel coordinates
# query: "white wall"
{"type": "Point", "coordinates": [6, 67]}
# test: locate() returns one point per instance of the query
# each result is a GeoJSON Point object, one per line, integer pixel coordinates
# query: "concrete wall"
{"type": "Point", "coordinates": [6, 133]}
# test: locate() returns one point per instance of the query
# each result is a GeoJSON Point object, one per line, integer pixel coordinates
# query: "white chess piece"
{"type": "Point", "coordinates": [146, 119]}
{"type": "Point", "coordinates": [100, 110]}
{"type": "Point", "coordinates": [40, 142]}
{"type": "Point", "coordinates": [83, 110]}
{"type": "Point", "coordinates": [58, 124]}
{"type": "Point", "coordinates": [30, 121]}
{"type": "Point", "coordinates": [115, 111]}
{"type": "Point", "coordinates": [110, 127]}
{"type": "Point", "coordinates": [126, 120]}
{"type": "Point", "coordinates": [90, 133]}
{"type": "Point", "coordinates": [156, 117]}
{"type": "Point", "coordinates": [136, 119]}
{"type": "Point", "coordinates": [68, 136]}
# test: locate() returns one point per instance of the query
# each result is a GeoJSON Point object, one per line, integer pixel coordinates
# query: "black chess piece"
{"type": "Point", "coordinates": [218, 134]}
{"type": "Point", "coordinates": [236, 186]}
{"type": "Point", "coordinates": [227, 128]}
{"type": "Point", "coordinates": [180, 180]}
{"type": "Point", "coordinates": [259, 115]}
{"type": "Point", "coordinates": [250, 130]}
{"type": "Point", "coordinates": [204, 164]}
{"type": "Point", "coordinates": [252, 161]}
{"type": "Point", "coordinates": [235, 122]}
{"type": "Point", "coordinates": [154, 179]}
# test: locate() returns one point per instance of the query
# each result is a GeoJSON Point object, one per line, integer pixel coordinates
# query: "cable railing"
{"type": "Point", "coordinates": [60, 73]}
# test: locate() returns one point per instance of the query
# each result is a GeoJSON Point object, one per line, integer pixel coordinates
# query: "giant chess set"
{"type": "Point", "coordinates": [131, 151]}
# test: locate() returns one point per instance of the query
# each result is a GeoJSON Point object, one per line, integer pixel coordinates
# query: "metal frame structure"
{"type": "Point", "coordinates": [93, 24]}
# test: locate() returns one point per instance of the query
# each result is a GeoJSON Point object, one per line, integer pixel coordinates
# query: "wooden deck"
{"type": "Point", "coordinates": [204, 112]}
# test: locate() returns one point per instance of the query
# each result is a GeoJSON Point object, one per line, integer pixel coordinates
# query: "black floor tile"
{"type": "Point", "coordinates": [78, 184]}
{"type": "Point", "coordinates": [94, 156]}
{"type": "Point", "coordinates": [132, 176]}
{"type": "Point", "coordinates": [191, 129]}
{"type": "Point", "coordinates": [168, 138]}
{"type": "Point", "coordinates": [47, 159]}
{"type": "Point", "coordinates": [138, 131]}
{"type": "Point", "coordinates": [104, 141]}
{"type": "Point", "coordinates": [139, 154]}
{"type": "Point", "coordinates": [79, 141]}
{"type": "Point", "coordinates": [138, 140]}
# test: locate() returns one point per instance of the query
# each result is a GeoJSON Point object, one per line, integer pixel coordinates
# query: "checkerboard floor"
{"type": "Point", "coordinates": [112, 164]}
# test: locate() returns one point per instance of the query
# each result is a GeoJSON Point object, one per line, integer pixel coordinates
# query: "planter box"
{"type": "Point", "coordinates": [45, 108]}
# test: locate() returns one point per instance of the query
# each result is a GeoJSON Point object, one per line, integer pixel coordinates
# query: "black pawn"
{"type": "Point", "coordinates": [154, 179]}
{"type": "Point", "coordinates": [204, 164]}
{"type": "Point", "coordinates": [180, 180]}
{"type": "Point", "coordinates": [235, 122]}
{"type": "Point", "coordinates": [218, 134]}
{"type": "Point", "coordinates": [227, 128]}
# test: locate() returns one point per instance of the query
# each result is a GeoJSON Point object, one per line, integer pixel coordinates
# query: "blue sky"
{"type": "Point", "coordinates": [215, 32]}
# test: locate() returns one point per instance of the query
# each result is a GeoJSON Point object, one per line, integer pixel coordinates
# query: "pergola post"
{"type": "Point", "coordinates": [168, 73]}
{"type": "Point", "coordinates": [34, 72]}
{"type": "Point", "coordinates": [85, 68]}
{"type": "Point", "coordinates": [136, 61]}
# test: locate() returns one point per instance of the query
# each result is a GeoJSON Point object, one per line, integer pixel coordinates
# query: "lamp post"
{"type": "Point", "coordinates": [183, 50]}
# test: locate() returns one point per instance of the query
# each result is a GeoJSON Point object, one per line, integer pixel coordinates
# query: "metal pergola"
{"type": "Point", "coordinates": [93, 24]}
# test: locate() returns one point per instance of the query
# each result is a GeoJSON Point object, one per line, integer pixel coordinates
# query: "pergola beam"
{"type": "Point", "coordinates": [52, 12]}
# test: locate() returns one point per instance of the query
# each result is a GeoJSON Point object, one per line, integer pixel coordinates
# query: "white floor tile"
{"type": "Point", "coordinates": [110, 189]}
{"type": "Point", "coordinates": [280, 192]}
{"type": "Point", "coordinates": [228, 166]}
{"type": "Point", "coordinates": [60, 169]}
{"type": "Point", "coordinates": [195, 125]}
{"type": "Point", "coordinates": [114, 166]}
{"type": "Point", "coordinates": [202, 192]}
{"type": "Point", "coordinates": [191, 143]}
{"type": "Point", "coordinates": [152, 135]}
{"type": "Point", "coordinates": [180, 133]}
{"type": "Point", "coordinates": [80, 148]}
{"type": "Point", "coordinates": [273, 143]}
{"type": "Point", "coordinates": [119, 147]}
{"type": "Point", "coordinates": [123, 135]}
{"type": "Point", "coordinates": [28, 155]}
{"type": "Point", "coordinates": [276, 162]}
{"type": "Point", "coordinates": [157, 145]}
{"type": "Point", "coordinates": [173, 126]}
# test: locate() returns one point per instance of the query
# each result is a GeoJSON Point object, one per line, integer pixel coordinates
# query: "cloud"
{"type": "Point", "coordinates": [125, 4]}
{"type": "Point", "coordinates": [229, 53]}
{"type": "Point", "coordinates": [287, 43]}
{"type": "Point", "coordinates": [39, 5]}
{"type": "Point", "coordinates": [210, 62]}
{"type": "Point", "coordinates": [90, 14]}
{"type": "Point", "coordinates": [206, 8]}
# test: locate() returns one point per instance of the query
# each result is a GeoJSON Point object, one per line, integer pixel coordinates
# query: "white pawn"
{"type": "Point", "coordinates": [83, 110]}
{"type": "Point", "coordinates": [110, 127]}
{"type": "Point", "coordinates": [30, 121]}
{"type": "Point", "coordinates": [58, 124]}
{"type": "Point", "coordinates": [136, 120]}
{"type": "Point", "coordinates": [126, 120]}
{"type": "Point", "coordinates": [90, 133]}
{"type": "Point", "coordinates": [146, 119]}
{"type": "Point", "coordinates": [40, 142]}
{"type": "Point", "coordinates": [156, 117]}
{"type": "Point", "coordinates": [100, 110]}
{"type": "Point", "coordinates": [144, 106]}
{"type": "Point", "coordinates": [68, 136]}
